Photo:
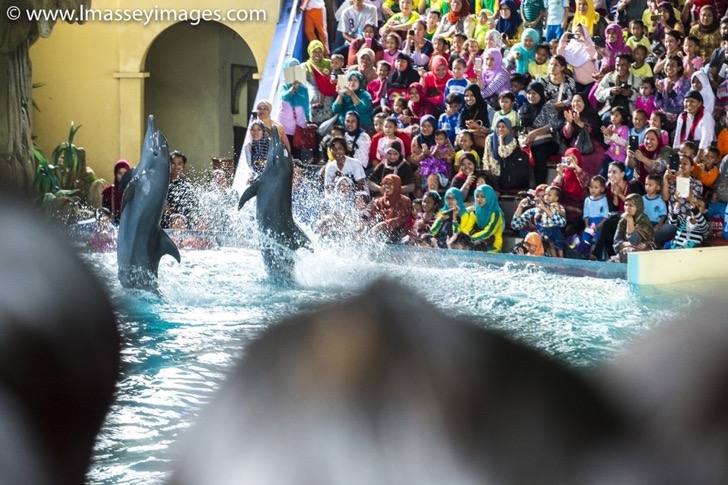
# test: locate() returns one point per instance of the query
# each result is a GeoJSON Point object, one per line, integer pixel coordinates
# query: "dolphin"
{"type": "Point", "coordinates": [280, 235]}
{"type": "Point", "coordinates": [142, 242]}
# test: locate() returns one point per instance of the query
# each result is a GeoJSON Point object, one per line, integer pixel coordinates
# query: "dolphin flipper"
{"type": "Point", "coordinates": [249, 193]}
{"type": "Point", "coordinates": [300, 239]}
{"type": "Point", "coordinates": [167, 246]}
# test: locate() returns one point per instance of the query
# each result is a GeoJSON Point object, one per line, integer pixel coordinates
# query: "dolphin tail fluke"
{"type": "Point", "coordinates": [249, 193]}
{"type": "Point", "coordinates": [167, 246]}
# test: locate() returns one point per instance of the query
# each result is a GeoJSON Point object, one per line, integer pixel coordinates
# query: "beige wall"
{"type": "Point", "coordinates": [95, 75]}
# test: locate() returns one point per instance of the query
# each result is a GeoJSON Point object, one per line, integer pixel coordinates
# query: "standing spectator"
{"type": "Point", "coordinates": [295, 107]}
{"type": "Point", "coordinates": [314, 21]}
{"type": "Point", "coordinates": [557, 18]}
{"type": "Point", "coordinates": [352, 22]}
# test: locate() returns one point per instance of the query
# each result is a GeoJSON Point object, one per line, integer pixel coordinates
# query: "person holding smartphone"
{"type": "Point", "coordinates": [679, 205]}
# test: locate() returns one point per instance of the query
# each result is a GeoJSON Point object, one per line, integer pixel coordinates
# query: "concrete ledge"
{"type": "Point", "coordinates": [677, 265]}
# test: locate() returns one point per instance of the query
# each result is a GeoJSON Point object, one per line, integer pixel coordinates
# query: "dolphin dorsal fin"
{"type": "Point", "coordinates": [167, 246]}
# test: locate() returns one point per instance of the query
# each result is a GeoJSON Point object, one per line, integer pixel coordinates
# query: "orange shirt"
{"type": "Point", "coordinates": [707, 178]}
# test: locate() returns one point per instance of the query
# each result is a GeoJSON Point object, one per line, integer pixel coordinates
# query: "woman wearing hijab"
{"type": "Point", "coordinates": [365, 65]}
{"type": "Point", "coordinates": [418, 103]}
{"type": "Point", "coordinates": [494, 78]}
{"type": "Point", "coordinates": [357, 140]}
{"type": "Point", "coordinates": [474, 115]}
{"type": "Point", "coordinates": [391, 213]}
{"type": "Point", "coordinates": [354, 97]}
{"type": "Point", "coordinates": [485, 221]}
{"type": "Point", "coordinates": [614, 45]}
{"type": "Point", "coordinates": [502, 150]}
{"type": "Point", "coordinates": [509, 21]}
{"type": "Point", "coordinates": [393, 164]}
{"type": "Point", "coordinates": [539, 117]}
{"type": "Point", "coordinates": [533, 245]}
{"type": "Point", "coordinates": [456, 21]}
{"type": "Point", "coordinates": [448, 220]}
{"type": "Point", "coordinates": [256, 151]}
{"type": "Point", "coordinates": [435, 81]}
{"type": "Point", "coordinates": [111, 195]}
{"type": "Point", "coordinates": [652, 157]}
{"type": "Point", "coordinates": [581, 121]}
{"type": "Point", "coordinates": [634, 230]}
{"type": "Point", "coordinates": [525, 51]}
{"type": "Point", "coordinates": [700, 82]}
{"type": "Point", "coordinates": [580, 53]}
{"type": "Point", "coordinates": [574, 184]}
{"type": "Point", "coordinates": [585, 15]}
{"type": "Point", "coordinates": [318, 76]}
{"type": "Point", "coordinates": [708, 31]}
{"type": "Point", "coordinates": [263, 113]}
{"type": "Point", "coordinates": [295, 108]}
{"type": "Point", "coordinates": [404, 74]}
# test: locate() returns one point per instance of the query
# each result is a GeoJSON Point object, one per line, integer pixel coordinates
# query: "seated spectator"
{"type": "Point", "coordinates": [652, 157]}
{"type": "Point", "coordinates": [539, 118]}
{"type": "Point", "coordinates": [693, 228]}
{"type": "Point", "coordinates": [340, 217]}
{"type": "Point", "coordinates": [354, 97]}
{"type": "Point", "coordinates": [474, 116]}
{"type": "Point", "coordinates": [390, 214]}
{"type": "Point", "coordinates": [504, 160]}
{"type": "Point", "coordinates": [574, 184]}
{"type": "Point", "coordinates": [431, 202]}
{"type": "Point", "coordinates": [493, 79]}
{"type": "Point", "coordinates": [532, 245]}
{"type": "Point", "coordinates": [448, 220]}
{"type": "Point", "coordinates": [394, 163]}
{"type": "Point", "coordinates": [111, 195]}
{"type": "Point", "coordinates": [695, 124]}
{"type": "Point", "coordinates": [357, 140]}
{"type": "Point", "coordinates": [678, 205]}
{"type": "Point", "coordinates": [367, 40]}
{"type": "Point", "coordinates": [464, 180]}
{"type": "Point", "coordinates": [548, 216]}
{"type": "Point", "coordinates": [417, 46]}
{"type": "Point", "coordinates": [457, 21]}
{"type": "Point", "coordinates": [344, 166]}
{"type": "Point", "coordinates": [580, 132]}
{"type": "Point", "coordinates": [485, 222]}
{"type": "Point", "coordinates": [634, 230]}
{"type": "Point", "coordinates": [435, 81]}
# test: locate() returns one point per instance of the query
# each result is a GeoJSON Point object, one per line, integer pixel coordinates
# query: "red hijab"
{"type": "Point", "coordinates": [423, 106]}
{"type": "Point", "coordinates": [571, 181]}
{"type": "Point", "coordinates": [391, 201]}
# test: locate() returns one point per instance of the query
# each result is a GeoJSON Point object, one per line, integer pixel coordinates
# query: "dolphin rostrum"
{"type": "Point", "coordinates": [279, 234]}
{"type": "Point", "coordinates": [142, 242]}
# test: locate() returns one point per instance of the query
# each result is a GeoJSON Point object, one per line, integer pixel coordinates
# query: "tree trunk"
{"type": "Point", "coordinates": [17, 166]}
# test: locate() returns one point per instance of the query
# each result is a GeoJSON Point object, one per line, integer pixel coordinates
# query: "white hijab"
{"type": "Point", "coordinates": [575, 51]}
{"type": "Point", "coordinates": [706, 92]}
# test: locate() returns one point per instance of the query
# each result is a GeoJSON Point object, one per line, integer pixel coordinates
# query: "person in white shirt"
{"type": "Point", "coordinates": [352, 22]}
{"type": "Point", "coordinates": [694, 124]}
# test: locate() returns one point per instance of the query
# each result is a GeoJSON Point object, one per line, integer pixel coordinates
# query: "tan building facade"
{"type": "Point", "coordinates": [131, 59]}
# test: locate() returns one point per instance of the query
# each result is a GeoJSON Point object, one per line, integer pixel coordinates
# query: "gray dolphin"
{"type": "Point", "coordinates": [142, 242]}
{"type": "Point", "coordinates": [280, 235]}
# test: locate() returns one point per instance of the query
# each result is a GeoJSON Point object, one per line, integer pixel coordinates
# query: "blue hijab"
{"type": "Point", "coordinates": [300, 97]}
{"type": "Point", "coordinates": [526, 55]}
{"type": "Point", "coordinates": [495, 139]}
{"type": "Point", "coordinates": [483, 214]}
{"type": "Point", "coordinates": [458, 194]}
{"type": "Point", "coordinates": [510, 26]}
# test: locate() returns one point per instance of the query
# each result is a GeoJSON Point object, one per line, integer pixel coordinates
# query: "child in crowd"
{"type": "Point", "coordinates": [707, 170]}
{"type": "Point", "coordinates": [655, 208]}
{"type": "Point", "coordinates": [646, 99]}
{"type": "Point", "coordinates": [506, 100]}
{"type": "Point", "coordinates": [440, 47]}
{"type": "Point", "coordinates": [432, 22]}
{"type": "Point", "coordinates": [548, 216]}
{"type": "Point", "coordinates": [450, 119]}
{"type": "Point", "coordinates": [389, 132]}
{"type": "Point", "coordinates": [401, 113]}
{"type": "Point", "coordinates": [439, 161]}
{"type": "Point", "coordinates": [689, 149]}
{"type": "Point", "coordinates": [377, 88]}
{"type": "Point", "coordinates": [426, 216]}
{"type": "Point", "coordinates": [657, 120]}
{"type": "Point", "coordinates": [532, 245]}
{"type": "Point", "coordinates": [638, 37]}
{"type": "Point", "coordinates": [481, 29]}
{"type": "Point", "coordinates": [325, 146]}
{"type": "Point", "coordinates": [639, 125]}
{"type": "Point", "coordinates": [436, 183]}
{"type": "Point", "coordinates": [458, 82]}
{"type": "Point", "coordinates": [518, 88]}
{"type": "Point", "coordinates": [692, 228]}
{"type": "Point", "coordinates": [539, 67]}
{"type": "Point", "coordinates": [596, 208]}
{"type": "Point", "coordinates": [447, 221]}
{"type": "Point", "coordinates": [615, 136]}
{"type": "Point", "coordinates": [470, 56]}
{"type": "Point", "coordinates": [456, 47]}
{"type": "Point", "coordinates": [338, 65]}
{"type": "Point", "coordinates": [466, 142]}
{"type": "Point", "coordinates": [391, 48]}
{"type": "Point", "coordinates": [691, 60]}
{"type": "Point", "coordinates": [557, 17]}
{"type": "Point", "coordinates": [639, 67]}
{"type": "Point", "coordinates": [533, 13]}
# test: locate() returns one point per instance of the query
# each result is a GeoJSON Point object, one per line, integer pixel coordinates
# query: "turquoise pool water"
{"type": "Point", "coordinates": [176, 351]}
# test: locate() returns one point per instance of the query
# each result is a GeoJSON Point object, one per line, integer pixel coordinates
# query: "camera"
{"type": "Point", "coordinates": [625, 86]}
{"type": "Point", "coordinates": [411, 32]}
{"type": "Point", "coordinates": [570, 36]}
{"type": "Point", "coordinates": [565, 161]}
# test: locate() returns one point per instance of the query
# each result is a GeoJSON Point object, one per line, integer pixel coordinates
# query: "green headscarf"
{"type": "Point", "coordinates": [484, 214]}
{"type": "Point", "coordinates": [324, 64]}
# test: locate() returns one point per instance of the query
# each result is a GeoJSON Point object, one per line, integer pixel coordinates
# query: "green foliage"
{"type": "Point", "coordinates": [62, 171]}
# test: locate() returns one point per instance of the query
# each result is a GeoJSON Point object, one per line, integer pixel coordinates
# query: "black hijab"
{"type": "Point", "coordinates": [478, 111]}
{"type": "Point", "coordinates": [528, 111]}
{"type": "Point", "coordinates": [402, 79]}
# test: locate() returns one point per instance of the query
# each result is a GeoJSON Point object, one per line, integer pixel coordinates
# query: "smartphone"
{"type": "Point", "coordinates": [655, 18]}
{"type": "Point", "coordinates": [341, 81]}
{"type": "Point", "coordinates": [634, 143]}
{"type": "Point", "coordinates": [254, 115]}
{"type": "Point", "coordinates": [411, 32]}
{"type": "Point", "coordinates": [565, 161]}
{"type": "Point", "coordinates": [478, 63]}
{"type": "Point", "coordinates": [674, 162]}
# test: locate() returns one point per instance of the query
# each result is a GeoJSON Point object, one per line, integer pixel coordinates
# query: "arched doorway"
{"type": "Point", "coordinates": [200, 87]}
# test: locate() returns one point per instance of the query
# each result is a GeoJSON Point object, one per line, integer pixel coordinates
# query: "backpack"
{"type": "Point", "coordinates": [515, 171]}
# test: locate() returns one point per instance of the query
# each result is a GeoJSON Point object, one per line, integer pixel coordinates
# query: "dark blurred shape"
{"type": "Point", "coordinates": [383, 388]}
{"type": "Point", "coordinates": [59, 352]}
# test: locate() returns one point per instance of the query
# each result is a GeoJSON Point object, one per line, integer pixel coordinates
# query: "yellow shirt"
{"type": "Point", "coordinates": [643, 72]}
{"type": "Point", "coordinates": [537, 71]}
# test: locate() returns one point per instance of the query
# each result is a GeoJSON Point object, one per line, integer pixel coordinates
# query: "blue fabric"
{"type": "Point", "coordinates": [457, 193]}
{"type": "Point", "coordinates": [483, 214]}
{"type": "Point", "coordinates": [300, 97]}
{"type": "Point", "coordinates": [554, 32]}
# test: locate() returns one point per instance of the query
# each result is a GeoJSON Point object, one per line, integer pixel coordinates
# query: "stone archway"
{"type": "Point", "coordinates": [198, 83]}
